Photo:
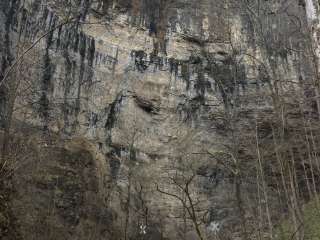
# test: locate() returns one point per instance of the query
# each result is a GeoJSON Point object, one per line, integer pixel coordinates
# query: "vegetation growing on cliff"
{"type": "Point", "coordinates": [242, 105]}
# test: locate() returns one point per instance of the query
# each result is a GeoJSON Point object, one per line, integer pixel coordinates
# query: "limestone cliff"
{"type": "Point", "coordinates": [118, 98]}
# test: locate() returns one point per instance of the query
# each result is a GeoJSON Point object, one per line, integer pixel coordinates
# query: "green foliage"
{"type": "Point", "coordinates": [311, 224]}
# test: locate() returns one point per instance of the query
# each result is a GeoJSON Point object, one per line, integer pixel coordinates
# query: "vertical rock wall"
{"type": "Point", "coordinates": [151, 85]}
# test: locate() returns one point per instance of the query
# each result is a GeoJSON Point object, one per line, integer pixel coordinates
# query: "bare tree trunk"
{"type": "Point", "coordinates": [296, 209]}
{"type": "Point", "coordinates": [264, 187]}
{"type": "Point", "coordinates": [127, 209]}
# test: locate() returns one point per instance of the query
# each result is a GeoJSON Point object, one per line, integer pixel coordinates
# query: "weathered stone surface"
{"type": "Point", "coordinates": [148, 86]}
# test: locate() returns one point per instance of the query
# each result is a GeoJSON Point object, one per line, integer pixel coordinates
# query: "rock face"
{"type": "Point", "coordinates": [126, 95]}
{"type": "Point", "coordinates": [60, 198]}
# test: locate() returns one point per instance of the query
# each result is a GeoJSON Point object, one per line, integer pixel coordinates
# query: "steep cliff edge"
{"type": "Point", "coordinates": [154, 119]}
